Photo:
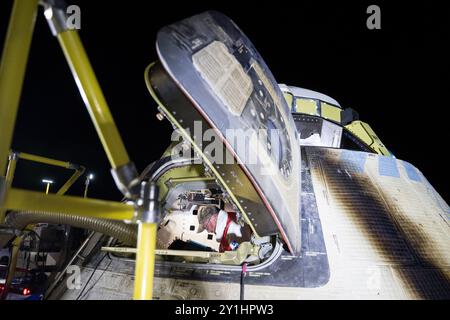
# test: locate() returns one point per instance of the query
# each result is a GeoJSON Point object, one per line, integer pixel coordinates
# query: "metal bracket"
{"type": "Point", "coordinates": [147, 206]}
{"type": "Point", "coordinates": [76, 167]}
{"type": "Point", "coordinates": [13, 155]}
{"type": "Point", "coordinates": [126, 178]}
{"type": "Point", "coordinates": [54, 12]}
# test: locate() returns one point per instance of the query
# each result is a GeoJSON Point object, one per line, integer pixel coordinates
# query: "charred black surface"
{"type": "Point", "coordinates": [366, 207]}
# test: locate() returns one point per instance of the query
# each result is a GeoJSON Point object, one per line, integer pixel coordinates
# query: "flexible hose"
{"type": "Point", "coordinates": [126, 233]}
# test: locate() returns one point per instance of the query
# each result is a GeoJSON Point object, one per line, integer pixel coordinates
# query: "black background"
{"type": "Point", "coordinates": [396, 78]}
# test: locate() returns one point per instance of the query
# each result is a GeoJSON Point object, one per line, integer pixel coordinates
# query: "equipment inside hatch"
{"type": "Point", "coordinates": [203, 220]}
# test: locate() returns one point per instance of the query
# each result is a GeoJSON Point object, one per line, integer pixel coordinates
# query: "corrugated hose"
{"type": "Point", "coordinates": [126, 233]}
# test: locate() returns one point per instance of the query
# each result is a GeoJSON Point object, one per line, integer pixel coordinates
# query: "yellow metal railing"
{"type": "Point", "coordinates": [145, 261]}
{"type": "Point", "coordinates": [16, 199]}
{"type": "Point", "coordinates": [25, 200]}
{"type": "Point", "coordinates": [14, 158]}
{"type": "Point", "coordinates": [93, 97]}
{"type": "Point", "coordinates": [12, 70]}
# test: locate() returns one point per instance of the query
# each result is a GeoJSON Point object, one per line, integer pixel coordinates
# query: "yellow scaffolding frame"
{"type": "Point", "coordinates": [15, 156]}
{"type": "Point", "coordinates": [12, 71]}
{"type": "Point", "coordinates": [13, 159]}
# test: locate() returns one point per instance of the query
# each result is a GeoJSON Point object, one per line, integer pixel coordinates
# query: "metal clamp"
{"type": "Point", "coordinates": [54, 12]}
{"type": "Point", "coordinates": [147, 206]}
{"type": "Point", "coordinates": [76, 167]}
{"type": "Point", "coordinates": [13, 155]}
{"type": "Point", "coordinates": [126, 178]}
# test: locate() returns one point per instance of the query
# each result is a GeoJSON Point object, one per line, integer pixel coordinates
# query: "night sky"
{"type": "Point", "coordinates": [396, 78]}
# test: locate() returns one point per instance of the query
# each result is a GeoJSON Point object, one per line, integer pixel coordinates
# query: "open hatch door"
{"type": "Point", "coordinates": [211, 76]}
